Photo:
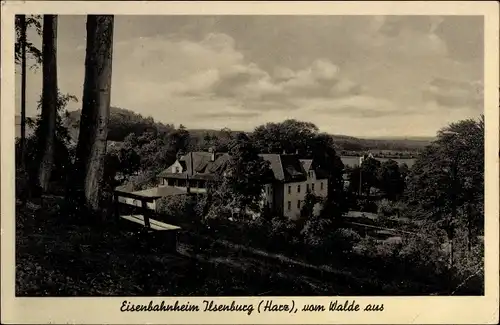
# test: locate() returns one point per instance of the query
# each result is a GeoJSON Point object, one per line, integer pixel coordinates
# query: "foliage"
{"type": "Point", "coordinates": [239, 187]}
{"type": "Point", "coordinates": [283, 231]}
{"type": "Point", "coordinates": [122, 122]}
{"type": "Point", "coordinates": [450, 174]}
{"type": "Point", "coordinates": [63, 148]}
{"type": "Point", "coordinates": [31, 21]}
{"type": "Point", "coordinates": [308, 207]}
{"type": "Point", "coordinates": [390, 180]}
{"type": "Point", "coordinates": [185, 208]}
{"type": "Point", "coordinates": [344, 239]}
{"type": "Point", "coordinates": [288, 136]}
{"type": "Point", "coordinates": [387, 208]}
{"type": "Point", "coordinates": [317, 232]}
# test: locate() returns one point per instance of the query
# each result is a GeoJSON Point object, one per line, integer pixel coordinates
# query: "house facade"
{"type": "Point", "coordinates": [193, 171]}
{"type": "Point", "coordinates": [285, 194]}
{"type": "Point", "coordinates": [293, 179]}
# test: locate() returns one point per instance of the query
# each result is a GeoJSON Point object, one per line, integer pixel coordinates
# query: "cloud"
{"type": "Point", "coordinates": [256, 88]}
{"type": "Point", "coordinates": [340, 72]}
{"type": "Point", "coordinates": [227, 115]}
{"type": "Point", "coordinates": [410, 35]}
{"type": "Point", "coordinates": [455, 93]}
{"type": "Point", "coordinates": [357, 106]}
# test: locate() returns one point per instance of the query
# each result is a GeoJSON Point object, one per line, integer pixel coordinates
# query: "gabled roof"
{"type": "Point", "coordinates": [198, 165]}
{"type": "Point", "coordinates": [286, 168]}
{"type": "Point", "coordinates": [306, 163]}
{"type": "Point", "coordinates": [276, 167]}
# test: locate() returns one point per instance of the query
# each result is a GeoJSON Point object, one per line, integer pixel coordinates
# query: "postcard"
{"type": "Point", "coordinates": [250, 162]}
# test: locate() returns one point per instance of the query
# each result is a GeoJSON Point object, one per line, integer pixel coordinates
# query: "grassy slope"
{"type": "Point", "coordinates": [57, 258]}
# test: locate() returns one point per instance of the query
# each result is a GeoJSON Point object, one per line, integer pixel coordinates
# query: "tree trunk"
{"type": "Point", "coordinates": [91, 147]}
{"type": "Point", "coordinates": [23, 90]}
{"type": "Point", "coordinates": [49, 100]}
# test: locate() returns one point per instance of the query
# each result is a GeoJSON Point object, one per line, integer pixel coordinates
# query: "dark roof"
{"type": "Point", "coordinates": [286, 168]}
{"type": "Point", "coordinates": [293, 169]}
{"type": "Point", "coordinates": [183, 175]}
{"type": "Point", "coordinates": [276, 167]}
{"type": "Point", "coordinates": [198, 165]}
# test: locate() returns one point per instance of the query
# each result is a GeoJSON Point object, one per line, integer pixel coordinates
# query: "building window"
{"type": "Point", "coordinates": [312, 187]}
{"type": "Point", "coordinates": [289, 205]}
{"type": "Point", "coordinates": [298, 188]}
{"type": "Point", "coordinates": [307, 187]}
{"type": "Point", "coordinates": [298, 204]}
{"type": "Point", "coordinates": [289, 190]}
{"type": "Point", "coordinates": [321, 185]}
{"type": "Point", "coordinates": [311, 174]}
{"type": "Point", "coordinates": [177, 170]}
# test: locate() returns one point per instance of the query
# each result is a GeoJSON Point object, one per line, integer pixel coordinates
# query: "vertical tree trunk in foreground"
{"type": "Point", "coordinates": [49, 100]}
{"type": "Point", "coordinates": [23, 89]}
{"type": "Point", "coordinates": [91, 147]}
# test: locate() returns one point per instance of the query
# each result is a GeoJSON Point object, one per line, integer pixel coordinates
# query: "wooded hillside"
{"type": "Point", "coordinates": [123, 122]}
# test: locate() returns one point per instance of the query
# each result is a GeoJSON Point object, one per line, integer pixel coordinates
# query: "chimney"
{"type": "Point", "coordinates": [284, 152]}
{"type": "Point", "coordinates": [296, 151]}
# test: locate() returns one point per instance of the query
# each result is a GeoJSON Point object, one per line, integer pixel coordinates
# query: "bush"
{"type": "Point", "coordinates": [425, 254]}
{"type": "Point", "coordinates": [385, 208]}
{"type": "Point", "coordinates": [184, 207]}
{"type": "Point", "coordinates": [22, 184]}
{"type": "Point", "coordinates": [344, 239]}
{"type": "Point", "coordinates": [367, 205]}
{"type": "Point", "coordinates": [140, 182]}
{"type": "Point", "coordinates": [283, 232]}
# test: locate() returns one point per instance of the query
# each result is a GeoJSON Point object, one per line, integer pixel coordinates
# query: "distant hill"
{"type": "Point", "coordinates": [123, 122]}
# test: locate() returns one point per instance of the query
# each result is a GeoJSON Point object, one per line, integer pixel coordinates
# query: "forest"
{"type": "Point", "coordinates": [68, 168]}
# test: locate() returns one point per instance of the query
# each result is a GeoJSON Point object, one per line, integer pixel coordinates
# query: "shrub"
{"type": "Point", "coordinates": [344, 239]}
{"type": "Point", "coordinates": [316, 232]}
{"type": "Point", "coordinates": [22, 184]}
{"type": "Point", "coordinates": [185, 207]}
{"type": "Point", "coordinates": [283, 231]}
{"type": "Point", "coordinates": [424, 254]}
{"type": "Point", "coordinates": [367, 205]}
{"type": "Point", "coordinates": [140, 182]}
{"type": "Point", "coordinates": [385, 208]}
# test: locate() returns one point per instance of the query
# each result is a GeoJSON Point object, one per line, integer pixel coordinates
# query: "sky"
{"type": "Point", "coordinates": [367, 76]}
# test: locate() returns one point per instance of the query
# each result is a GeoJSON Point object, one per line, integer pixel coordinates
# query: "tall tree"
{"type": "Point", "coordinates": [288, 136]}
{"type": "Point", "coordinates": [49, 100]}
{"type": "Point", "coordinates": [446, 183]}
{"type": "Point", "coordinates": [23, 31]}
{"type": "Point", "coordinates": [91, 148]}
{"type": "Point", "coordinates": [29, 21]}
{"type": "Point", "coordinates": [390, 179]}
{"type": "Point", "coordinates": [321, 148]}
{"type": "Point", "coordinates": [240, 182]}
{"type": "Point", "coordinates": [23, 48]}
